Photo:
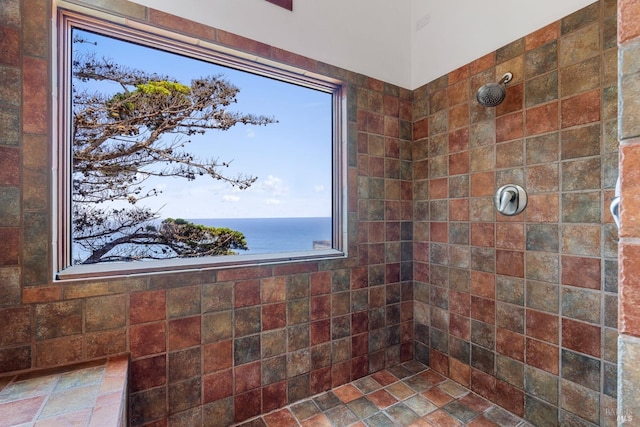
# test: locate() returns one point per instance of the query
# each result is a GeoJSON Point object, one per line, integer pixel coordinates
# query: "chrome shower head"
{"type": "Point", "coordinates": [493, 94]}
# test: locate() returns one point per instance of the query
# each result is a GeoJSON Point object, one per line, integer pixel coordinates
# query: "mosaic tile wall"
{"type": "Point", "coordinates": [629, 343]}
{"type": "Point", "coordinates": [523, 309]}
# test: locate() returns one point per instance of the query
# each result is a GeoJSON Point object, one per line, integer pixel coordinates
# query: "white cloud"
{"type": "Point", "coordinates": [319, 188]}
{"type": "Point", "coordinates": [273, 201]}
{"type": "Point", "coordinates": [231, 198]}
{"type": "Point", "coordinates": [274, 186]}
{"type": "Point", "coordinates": [250, 133]}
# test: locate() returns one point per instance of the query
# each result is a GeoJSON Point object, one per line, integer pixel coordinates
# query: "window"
{"type": "Point", "coordinates": [178, 156]}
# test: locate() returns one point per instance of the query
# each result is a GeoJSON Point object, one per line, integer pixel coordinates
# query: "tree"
{"type": "Point", "coordinates": [120, 140]}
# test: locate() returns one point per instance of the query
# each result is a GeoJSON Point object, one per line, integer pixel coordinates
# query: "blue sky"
{"type": "Point", "coordinates": [291, 158]}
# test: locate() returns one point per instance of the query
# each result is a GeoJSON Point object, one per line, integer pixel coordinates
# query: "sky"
{"type": "Point", "coordinates": [291, 158]}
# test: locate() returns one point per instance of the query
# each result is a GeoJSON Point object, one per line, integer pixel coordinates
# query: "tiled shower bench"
{"type": "Point", "coordinates": [88, 394]}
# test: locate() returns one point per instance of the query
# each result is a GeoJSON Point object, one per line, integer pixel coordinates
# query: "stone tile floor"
{"type": "Point", "coordinates": [407, 395]}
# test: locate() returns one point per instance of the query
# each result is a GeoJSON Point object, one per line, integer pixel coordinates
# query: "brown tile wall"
{"type": "Point", "coordinates": [222, 346]}
{"type": "Point", "coordinates": [629, 276]}
{"type": "Point", "coordinates": [523, 309]}
{"type": "Point", "coordinates": [520, 309]}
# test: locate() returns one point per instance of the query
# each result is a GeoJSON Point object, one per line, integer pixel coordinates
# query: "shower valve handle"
{"type": "Point", "coordinates": [510, 199]}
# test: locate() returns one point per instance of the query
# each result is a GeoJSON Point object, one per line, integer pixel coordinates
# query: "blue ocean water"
{"type": "Point", "coordinates": [269, 235]}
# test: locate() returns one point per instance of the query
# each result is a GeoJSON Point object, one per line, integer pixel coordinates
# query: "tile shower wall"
{"type": "Point", "coordinates": [213, 347]}
{"type": "Point", "coordinates": [629, 114]}
{"type": "Point", "coordinates": [523, 309]}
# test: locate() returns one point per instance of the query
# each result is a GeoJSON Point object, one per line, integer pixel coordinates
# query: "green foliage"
{"type": "Point", "coordinates": [120, 105]}
{"type": "Point", "coordinates": [198, 240]}
{"type": "Point", "coordinates": [163, 87]}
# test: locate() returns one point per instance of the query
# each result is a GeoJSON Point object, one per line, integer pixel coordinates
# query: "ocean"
{"type": "Point", "coordinates": [270, 235]}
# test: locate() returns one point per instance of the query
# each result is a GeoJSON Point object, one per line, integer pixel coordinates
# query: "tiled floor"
{"type": "Point", "coordinates": [407, 395]}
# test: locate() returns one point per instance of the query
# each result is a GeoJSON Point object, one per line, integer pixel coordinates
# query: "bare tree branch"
{"type": "Point", "coordinates": [121, 139]}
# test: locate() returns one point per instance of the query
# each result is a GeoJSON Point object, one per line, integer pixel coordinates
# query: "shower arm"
{"type": "Point", "coordinates": [506, 78]}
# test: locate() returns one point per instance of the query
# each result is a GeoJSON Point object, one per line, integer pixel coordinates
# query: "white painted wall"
{"type": "Point", "coordinates": [404, 42]}
{"type": "Point", "coordinates": [367, 36]}
{"type": "Point", "coordinates": [448, 34]}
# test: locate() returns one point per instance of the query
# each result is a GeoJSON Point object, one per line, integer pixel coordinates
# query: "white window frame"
{"type": "Point", "coordinates": [74, 16]}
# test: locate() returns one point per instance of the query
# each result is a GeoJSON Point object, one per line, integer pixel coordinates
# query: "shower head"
{"type": "Point", "coordinates": [493, 94]}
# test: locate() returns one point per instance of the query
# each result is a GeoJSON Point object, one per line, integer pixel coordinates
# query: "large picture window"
{"type": "Point", "coordinates": [174, 155]}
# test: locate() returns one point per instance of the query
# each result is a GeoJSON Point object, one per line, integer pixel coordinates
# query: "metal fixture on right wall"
{"type": "Point", "coordinates": [493, 94]}
{"type": "Point", "coordinates": [510, 199]}
{"type": "Point", "coordinates": [615, 204]}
